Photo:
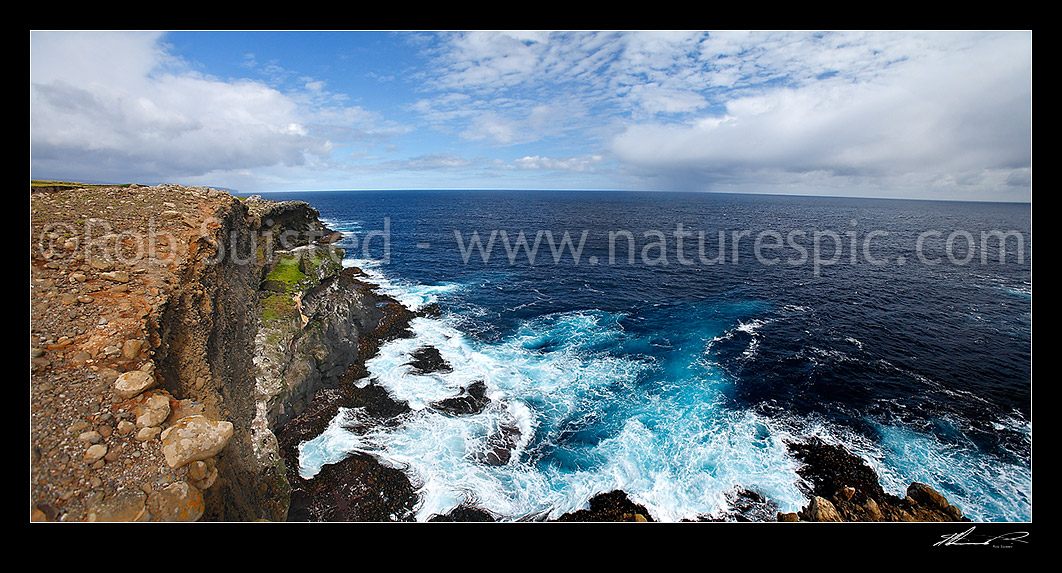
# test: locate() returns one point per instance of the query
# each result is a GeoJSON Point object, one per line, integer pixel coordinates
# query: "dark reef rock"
{"type": "Point", "coordinates": [432, 310]}
{"type": "Point", "coordinates": [472, 401]}
{"type": "Point", "coordinates": [830, 468]}
{"type": "Point", "coordinates": [499, 446]}
{"type": "Point", "coordinates": [844, 488]}
{"type": "Point", "coordinates": [356, 489]}
{"type": "Point", "coordinates": [611, 506]}
{"type": "Point", "coordinates": [428, 360]}
{"type": "Point", "coordinates": [747, 505]}
{"type": "Point", "coordinates": [464, 513]}
{"type": "Point", "coordinates": [375, 402]}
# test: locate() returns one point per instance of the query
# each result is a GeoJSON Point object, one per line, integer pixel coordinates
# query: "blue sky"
{"type": "Point", "coordinates": [937, 115]}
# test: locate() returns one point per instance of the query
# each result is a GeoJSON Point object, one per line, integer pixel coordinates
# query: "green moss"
{"type": "Point", "coordinates": [278, 307]}
{"type": "Point", "coordinates": [298, 272]}
{"type": "Point", "coordinates": [287, 271]}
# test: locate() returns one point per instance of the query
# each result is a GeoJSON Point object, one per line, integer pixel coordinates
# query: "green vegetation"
{"type": "Point", "coordinates": [71, 184]}
{"type": "Point", "coordinates": [288, 272]}
{"type": "Point", "coordinates": [294, 273]}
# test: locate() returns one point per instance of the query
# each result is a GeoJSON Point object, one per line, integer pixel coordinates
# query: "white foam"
{"type": "Point", "coordinates": [978, 488]}
{"type": "Point", "coordinates": [412, 296]}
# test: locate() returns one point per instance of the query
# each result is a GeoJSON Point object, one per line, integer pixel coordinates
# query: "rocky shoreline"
{"type": "Point", "coordinates": [184, 342]}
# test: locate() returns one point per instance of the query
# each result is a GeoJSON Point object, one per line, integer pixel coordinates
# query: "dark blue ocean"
{"type": "Point", "coordinates": [672, 344]}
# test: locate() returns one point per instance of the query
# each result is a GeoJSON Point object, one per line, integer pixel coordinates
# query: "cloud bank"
{"type": "Point", "coordinates": [934, 114]}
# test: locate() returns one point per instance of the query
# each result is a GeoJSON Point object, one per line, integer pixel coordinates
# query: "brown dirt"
{"type": "Point", "coordinates": [81, 323]}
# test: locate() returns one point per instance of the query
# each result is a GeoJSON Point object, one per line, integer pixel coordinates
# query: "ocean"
{"type": "Point", "coordinates": [672, 344]}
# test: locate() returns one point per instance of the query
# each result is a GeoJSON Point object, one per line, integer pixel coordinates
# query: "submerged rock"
{"type": "Point", "coordinates": [499, 446]}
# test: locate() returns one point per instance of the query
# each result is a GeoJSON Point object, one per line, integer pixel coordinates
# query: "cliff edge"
{"type": "Point", "coordinates": [172, 330]}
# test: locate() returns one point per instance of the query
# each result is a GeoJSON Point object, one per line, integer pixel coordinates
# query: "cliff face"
{"type": "Point", "coordinates": [238, 312]}
{"type": "Point", "coordinates": [275, 322]}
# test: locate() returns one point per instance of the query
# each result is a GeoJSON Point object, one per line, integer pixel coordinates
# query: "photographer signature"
{"type": "Point", "coordinates": [966, 538]}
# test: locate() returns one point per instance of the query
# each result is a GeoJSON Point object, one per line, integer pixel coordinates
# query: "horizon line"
{"type": "Point", "coordinates": [612, 190]}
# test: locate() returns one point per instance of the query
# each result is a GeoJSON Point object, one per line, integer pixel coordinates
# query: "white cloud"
{"type": "Point", "coordinates": [952, 112]}
{"type": "Point", "coordinates": [579, 164]}
{"type": "Point", "coordinates": [116, 107]}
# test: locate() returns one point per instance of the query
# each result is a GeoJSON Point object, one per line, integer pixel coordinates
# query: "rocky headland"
{"type": "Point", "coordinates": [184, 342]}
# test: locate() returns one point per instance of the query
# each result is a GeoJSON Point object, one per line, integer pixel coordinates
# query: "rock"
{"type": "Point", "coordinates": [148, 433]}
{"type": "Point", "coordinates": [78, 426]}
{"type": "Point", "coordinates": [472, 401]}
{"type": "Point", "coordinates": [91, 437]}
{"type": "Point", "coordinates": [834, 473]}
{"type": "Point", "coordinates": [108, 375]}
{"type": "Point", "coordinates": [872, 509]}
{"type": "Point", "coordinates": [464, 514]}
{"type": "Point", "coordinates": [178, 502]}
{"type": "Point", "coordinates": [100, 264]}
{"type": "Point", "coordinates": [133, 383]}
{"type": "Point", "coordinates": [611, 506]}
{"type": "Point", "coordinates": [194, 438]}
{"type": "Point", "coordinates": [427, 360]}
{"type": "Point", "coordinates": [820, 509]}
{"type": "Point", "coordinates": [95, 453]}
{"type": "Point", "coordinates": [499, 446]}
{"type": "Point", "coordinates": [153, 411]}
{"type": "Point", "coordinates": [203, 474]}
{"type": "Point", "coordinates": [116, 276]}
{"type": "Point", "coordinates": [128, 505]}
{"type": "Point", "coordinates": [788, 517]}
{"type": "Point", "coordinates": [125, 426]}
{"type": "Point", "coordinates": [131, 349]}
{"type": "Point", "coordinates": [183, 409]}
{"type": "Point", "coordinates": [927, 496]}
{"type": "Point", "coordinates": [357, 488]}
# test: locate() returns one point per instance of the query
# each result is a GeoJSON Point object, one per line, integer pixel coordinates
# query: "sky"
{"type": "Point", "coordinates": [912, 114]}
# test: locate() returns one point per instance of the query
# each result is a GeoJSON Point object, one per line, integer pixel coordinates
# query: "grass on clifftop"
{"type": "Point", "coordinates": [72, 184]}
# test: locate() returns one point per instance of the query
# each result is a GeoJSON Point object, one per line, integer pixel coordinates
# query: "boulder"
{"type": "Point", "coordinates": [927, 496]}
{"type": "Point", "coordinates": [153, 411]}
{"type": "Point", "coordinates": [820, 509]}
{"type": "Point", "coordinates": [179, 501]}
{"type": "Point", "coordinates": [131, 348]}
{"type": "Point", "coordinates": [133, 383]}
{"type": "Point", "coordinates": [194, 438]}
{"type": "Point", "coordinates": [128, 505]}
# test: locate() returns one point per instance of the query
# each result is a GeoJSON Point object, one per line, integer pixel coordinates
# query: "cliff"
{"type": "Point", "coordinates": [169, 315]}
